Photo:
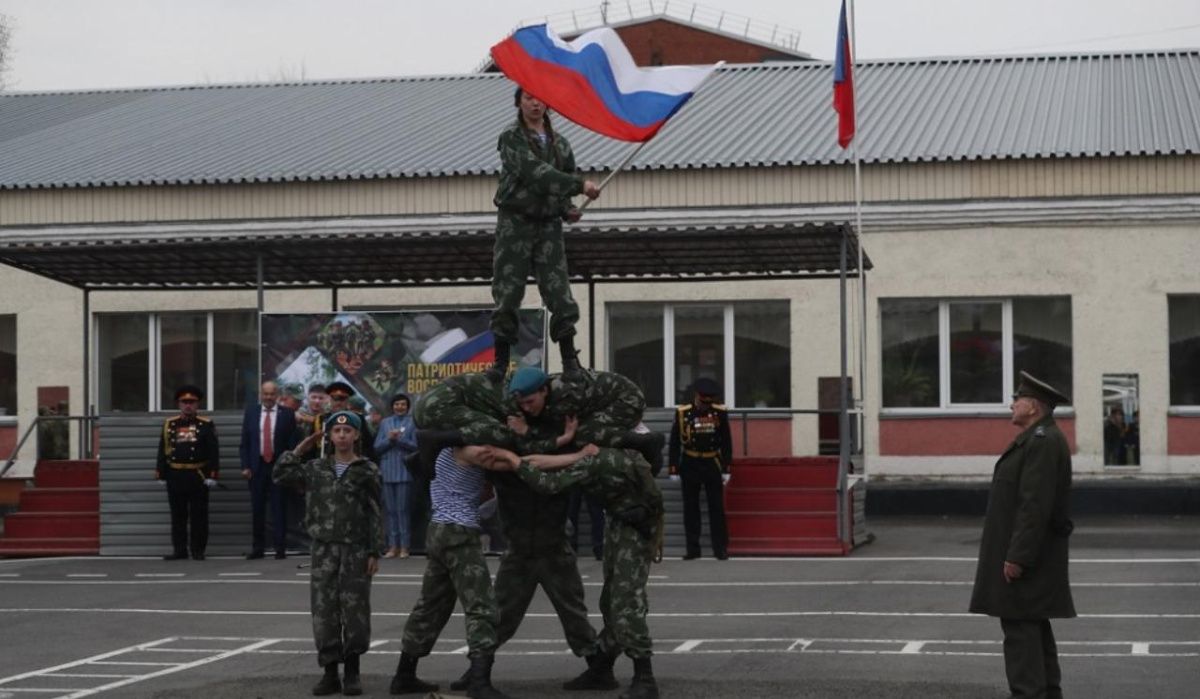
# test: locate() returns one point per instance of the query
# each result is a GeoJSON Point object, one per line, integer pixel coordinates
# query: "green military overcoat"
{"type": "Point", "coordinates": [1028, 523]}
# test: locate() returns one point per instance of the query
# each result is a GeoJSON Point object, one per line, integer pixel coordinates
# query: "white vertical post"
{"type": "Point", "coordinates": [668, 355]}
{"type": "Point", "coordinates": [728, 347]}
{"type": "Point", "coordinates": [210, 362]}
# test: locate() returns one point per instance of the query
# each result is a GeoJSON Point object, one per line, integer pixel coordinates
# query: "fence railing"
{"type": "Point", "coordinates": [40, 426]}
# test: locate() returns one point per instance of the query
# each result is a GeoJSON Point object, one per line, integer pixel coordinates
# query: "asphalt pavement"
{"type": "Point", "coordinates": [889, 620]}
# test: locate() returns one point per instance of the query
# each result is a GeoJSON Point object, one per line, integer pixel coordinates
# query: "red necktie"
{"type": "Point", "coordinates": [268, 449]}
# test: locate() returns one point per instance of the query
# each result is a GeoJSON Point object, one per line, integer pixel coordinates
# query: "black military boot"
{"type": "Point", "coordinates": [405, 680]}
{"type": "Point", "coordinates": [499, 368]}
{"type": "Point", "coordinates": [479, 685]}
{"type": "Point", "coordinates": [462, 682]}
{"type": "Point", "coordinates": [650, 444]}
{"type": "Point", "coordinates": [351, 682]}
{"type": "Point", "coordinates": [598, 675]}
{"type": "Point", "coordinates": [570, 356]}
{"type": "Point", "coordinates": [432, 442]}
{"type": "Point", "coordinates": [329, 684]}
{"type": "Point", "coordinates": [643, 685]}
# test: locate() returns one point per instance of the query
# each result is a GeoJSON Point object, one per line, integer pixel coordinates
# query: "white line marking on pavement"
{"type": "Point", "coordinates": [77, 663]}
{"type": "Point", "coordinates": [235, 579]}
{"type": "Point", "coordinates": [913, 647]}
{"type": "Point", "coordinates": [87, 575]}
{"type": "Point", "coordinates": [802, 643]}
{"type": "Point", "coordinates": [1140, 649]}
{"type": "Point", "coordinates": [686, 646]}
{"type": "Point", "coordinates": [171, 670]}
{"type": "Point", "coordinates": [157, 575]}
{"type": "Point", "coordinates": [460, 651]}
{"type": "Point", "coordinates": [10, 575]}
{"type": "Point", "coordinates": [131, 662]}
{"type": "Point", "coordinates": [97, 676]}
{"type": "Point", "coordinates": [238, 575]}
{"type": "Point", "coordinates": [940, 559]}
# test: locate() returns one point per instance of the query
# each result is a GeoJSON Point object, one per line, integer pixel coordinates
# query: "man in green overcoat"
{"type": "Point", "coordinates": [1022, 572]}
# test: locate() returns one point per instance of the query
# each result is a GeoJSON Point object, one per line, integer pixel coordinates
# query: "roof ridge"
{"type": "Point", "coordinates": [379, 80]}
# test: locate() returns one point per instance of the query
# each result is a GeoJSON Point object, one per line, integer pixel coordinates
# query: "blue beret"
{"type": "Point", "coordinates": [344, 417]}
{"type": "Point", "coordinates": [526, 380]}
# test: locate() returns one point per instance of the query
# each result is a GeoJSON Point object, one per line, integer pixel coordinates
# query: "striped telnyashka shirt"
{"type": "Point", "coordinates": [455, 491]}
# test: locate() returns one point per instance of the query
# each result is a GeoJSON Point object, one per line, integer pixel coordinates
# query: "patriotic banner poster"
{"type": "Point", "coordinates": [381, 354]}
{"type": "Point", "coordinates": [593, 81]}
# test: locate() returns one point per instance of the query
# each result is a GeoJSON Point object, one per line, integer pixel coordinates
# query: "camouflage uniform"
{"type": "Point", "coordinates": [539, 554]}
{"type": "Point", "coordinates": [607, 404]}
{"type": "Point", "coordinates": [621, 480]}
{"type": "Point", "coordinates": [455, 570]}
{"type": "Point", "coordinates": [537, 182]}
{"type": "Point", "coordinates": [476, 407]}
{"type": "Point", "coordinates": [345, 519]}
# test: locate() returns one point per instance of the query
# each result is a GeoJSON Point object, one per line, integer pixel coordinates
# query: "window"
{"type": "Point", "coordinates": [1184, 330]}
{"type": "Point", "coordinates": [745, 347]}
{"type": "Point", "coordinates": [141, 358]}
{"type": "Point", "coordinates": [8, 365]}
{"type": "Point", "coordinates": [962, 353]}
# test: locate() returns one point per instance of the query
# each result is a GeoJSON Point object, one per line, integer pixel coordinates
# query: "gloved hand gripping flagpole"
{"type": "Point", "coordinates": [633, 154]}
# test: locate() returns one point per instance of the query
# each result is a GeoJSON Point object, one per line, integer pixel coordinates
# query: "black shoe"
{"type": "Point", "coordinates": [643, 685]}
{"type": "Point", "coordinates": [254, 555]}
{"type": "Point", "coordinates": [650, 445]}
{"type": "Point", "coordinates": [405, 680]}
{"type": "Point", "coordinates": [722, 556]}
{"type": "Point", "coordinates": [570, 356]}
{"type": "Point", "coordinates": [499, 368]}
{"type": "Point", "coordinates": [197, 557]}
{"type": "Point", "coordinates": [462, 682]}
{"type": "Point", "coordinates": [351, 681]}
{"type": "Point", "coordinates": [597, 676]}
{"type": "Point", "coordinates": [175, 556]}
{"type": "Point", "coordinates": [690, 556]}
{"type": "Point", "coordinates": [280, 555]}
{"type": "Point", "coordinates": [479, 684]}
{"type": "Point", "coordinates": [598, 553]}
{"type": "Point", "coordinates": [329, 683]}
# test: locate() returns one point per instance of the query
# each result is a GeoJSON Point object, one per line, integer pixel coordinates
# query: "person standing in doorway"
{"type": "Point", "coordinates": [268, 430]}
{"type": "Point", "coordinates": [188, 464]}
{"type": "Point", "coordinates": [700, 452]}
{"type": "Point", "coordinates": [1022, 572]}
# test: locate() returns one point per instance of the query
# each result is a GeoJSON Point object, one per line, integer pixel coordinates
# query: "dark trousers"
{"type": "Point", "coordinates": [595, 516]}
{"type": "Point", "coordinates": [188, 498]}
{"type": "Point", "coordinates": [695, 474]}
{"type": "Point", "coordinates": [264, 492]}
{"type": "Point", "coordinates": [1031, 659]}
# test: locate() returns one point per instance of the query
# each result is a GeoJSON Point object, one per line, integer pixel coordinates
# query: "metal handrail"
{"type": "Point", "coordinates": [745, 414]}
{"type": "Point", "coordinates": [83, 441]}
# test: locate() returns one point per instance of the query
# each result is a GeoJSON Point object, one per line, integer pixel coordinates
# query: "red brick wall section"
{"type": "Point", "coordinates": [8, 441]}
{"type": "Point", "coordinates": [769, 437]}
{"type": "Point", "coordinates": [953, 436]}
{"type": "Point", "coordinates": [662, 42]}
{"type": "Point", "coordinates": [1183, 435]}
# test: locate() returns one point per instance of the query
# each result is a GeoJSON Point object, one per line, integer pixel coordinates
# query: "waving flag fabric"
{"type": "Point", "coordinates": [843, 83]}
{"type": "Point", "coordinates": [594, 82]}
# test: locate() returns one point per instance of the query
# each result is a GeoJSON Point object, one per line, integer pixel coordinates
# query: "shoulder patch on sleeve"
{"type": "Point", "coordinates": [1039, 432]}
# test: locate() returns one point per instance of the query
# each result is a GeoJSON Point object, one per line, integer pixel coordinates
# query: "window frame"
{"type": "Point", "coordinates": [1177, 409]}
{"type": "Point", "coordinates": [1008, 372]}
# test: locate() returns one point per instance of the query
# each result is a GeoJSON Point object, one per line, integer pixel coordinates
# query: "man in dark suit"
{"type": "Point", "coordinates": [1022, 572]}
{"type": "Point", "coordinates": [268, 430]}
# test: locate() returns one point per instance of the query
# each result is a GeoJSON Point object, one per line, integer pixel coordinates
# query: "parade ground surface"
{"type": "Point", "coordinates": [887, 621]}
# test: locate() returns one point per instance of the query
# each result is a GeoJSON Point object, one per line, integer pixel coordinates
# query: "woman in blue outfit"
{"type": "Point", "coordinates": [397, 438]}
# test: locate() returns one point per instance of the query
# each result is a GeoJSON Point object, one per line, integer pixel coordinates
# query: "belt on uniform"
{"type": "Point", "coordinates": [700, 454]}
{"type": "Point", "coordinates": [187, 467]}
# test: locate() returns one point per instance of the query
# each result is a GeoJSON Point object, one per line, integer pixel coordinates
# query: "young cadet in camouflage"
{"type": "Point", "coordinates": [608, 406]}
{"type": "Point", "coordinates": [621, 480]}
{"type": "Point", "coordinates": [537, 180]}
{"type": "Point", "coordinates": [467, 409]}
{"type": "Point", "coordinates": [344, 514]}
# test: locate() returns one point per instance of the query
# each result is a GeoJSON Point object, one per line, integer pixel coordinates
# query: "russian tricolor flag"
{"type": "Point", "coordinates": [843, 83]}
{"type": "Point", "coordinates": [594, 82]}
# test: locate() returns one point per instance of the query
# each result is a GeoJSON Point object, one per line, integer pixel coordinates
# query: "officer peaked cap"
{"type": "Point", "coordinates": [526, 380]}
{"type": "Point", "coordinates": [344, 417]}
{"type": "Point", "coordinates": [188, 391]}
{"type": "Point", "coordinates": [707, 387]}
{"type": "Point", "coordinates": [340, 386]}
{"type": "Point", "coordinates": [1036, 388]}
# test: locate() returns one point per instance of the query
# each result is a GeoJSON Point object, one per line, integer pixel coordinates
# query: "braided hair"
{"type": "Point", "coordinates": [545, 123]}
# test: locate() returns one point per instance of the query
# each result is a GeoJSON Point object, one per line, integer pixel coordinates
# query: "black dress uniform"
{"type": "Point", "coordinates": [187, 457]}
{"type": "Point", "coordinates": [1028, 525]}
{"type": "Point", "coordinates": [701, 450]}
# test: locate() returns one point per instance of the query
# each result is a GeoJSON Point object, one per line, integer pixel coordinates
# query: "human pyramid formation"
{"type": "Point", "coordinates": [534, 436]}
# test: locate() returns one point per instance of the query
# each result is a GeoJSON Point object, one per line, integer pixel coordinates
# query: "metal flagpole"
{"type": "Point", "coordinates": [858, 229]}
{"type": "Point", "coordinates": [629, 158]}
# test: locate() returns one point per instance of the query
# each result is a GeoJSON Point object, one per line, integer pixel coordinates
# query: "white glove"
{"type": "Point", "coordinates": [210, 482]}
{"type": "Point", "coordinates": [725, 478]}
{"type": "Point", "coordinates": [161, 482]}
{"type": "Point", "coordinates": [674, 476]}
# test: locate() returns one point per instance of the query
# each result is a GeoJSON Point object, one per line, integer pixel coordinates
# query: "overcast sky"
{"type": "Point", "coordinates": [82, 44]}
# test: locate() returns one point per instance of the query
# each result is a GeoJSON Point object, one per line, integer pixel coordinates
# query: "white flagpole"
{"type": "Point", "coordinates": [858, 227]}
{"type": "Point", "coordinates": [629, 158]}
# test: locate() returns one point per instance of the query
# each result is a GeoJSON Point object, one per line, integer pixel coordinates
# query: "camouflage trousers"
{"type": "Point", "coordinates": [623, 604]}
{"type": "Point", "coordinates": [524, 246]}
{"type": "Point", "coordinates": [341, 601]}
{"type": "Point", "coordinates": [613, 408]}
{"type": "Point", "coordinates": [517, 579]}
{"type": "Point", "coordinates": [454, 571]}
{"type": "Point", "coordinates": [469, 403]}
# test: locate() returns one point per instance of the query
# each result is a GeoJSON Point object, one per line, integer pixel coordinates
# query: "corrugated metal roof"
{"type": "Point", "coordinates": [762, 115]}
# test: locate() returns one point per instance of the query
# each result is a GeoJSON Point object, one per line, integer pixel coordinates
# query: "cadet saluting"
{"type": "Point", "coordinates": [1022, 573]}
{"type": "Point", "coordinates": [188, 462]}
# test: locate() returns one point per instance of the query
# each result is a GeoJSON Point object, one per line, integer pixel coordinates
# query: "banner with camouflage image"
{"type": "Point", "coordinates": [384, 353]}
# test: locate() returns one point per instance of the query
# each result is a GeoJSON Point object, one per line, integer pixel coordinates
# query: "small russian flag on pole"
{"type": "Point", "coordinates": [843, 82]}
{"type": "Point", "coordinates": [594, 82]}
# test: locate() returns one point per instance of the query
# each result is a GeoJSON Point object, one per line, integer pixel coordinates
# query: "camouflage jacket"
{"type": "Point", "coordinates": [346, 510]}
{"type": "Point", "coordinates": [619, 478]}
{"type": "Point", "coordinates": [536, 180]}
{"type": "Point", "coordinates": [585, 393]}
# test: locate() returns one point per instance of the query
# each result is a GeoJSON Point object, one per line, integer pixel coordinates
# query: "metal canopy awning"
{"type": "Point", "coordinates": [411, 251]}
